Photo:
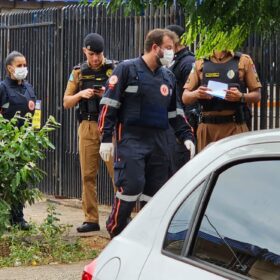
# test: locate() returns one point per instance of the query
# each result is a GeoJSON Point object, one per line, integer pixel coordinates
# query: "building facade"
{"type": "Point", "coordinates": [25, 5]}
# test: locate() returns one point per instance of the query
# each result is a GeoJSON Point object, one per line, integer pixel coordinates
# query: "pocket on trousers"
{"type": "Point", "coordinates": [119, 173]}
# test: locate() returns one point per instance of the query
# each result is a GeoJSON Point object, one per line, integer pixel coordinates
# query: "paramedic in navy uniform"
{"type": "Point", "coordinates": [139, 104]}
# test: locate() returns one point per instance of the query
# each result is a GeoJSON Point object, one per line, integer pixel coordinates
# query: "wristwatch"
{"type": "Point", "coordinates": [242, 99]}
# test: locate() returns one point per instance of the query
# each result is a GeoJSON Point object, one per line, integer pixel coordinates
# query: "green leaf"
{"type": "Point", "coordinates": [20, 150]}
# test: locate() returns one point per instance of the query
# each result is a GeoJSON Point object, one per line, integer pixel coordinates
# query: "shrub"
{"type": "Point", "coordinates": [20, 150]}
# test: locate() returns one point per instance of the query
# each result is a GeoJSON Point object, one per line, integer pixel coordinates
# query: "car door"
{"type": "Point", "coordinates": [227, 228]}
{"type": "Point", "coordinates": [167, 262]}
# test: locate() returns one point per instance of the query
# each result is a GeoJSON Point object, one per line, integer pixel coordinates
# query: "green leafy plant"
{"type": "Point", "coordinates": [43, 244]}
{"type": "Point", "coordinates": [20, 149]}
{"type": "Point", "coordinates": [215, 24]}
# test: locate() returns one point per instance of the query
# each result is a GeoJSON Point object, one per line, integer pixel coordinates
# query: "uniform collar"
{"type": "Point", "coordinates": [229, 55]}
{"type": "Point", "coordinates": [144, 64]}
{"type": "Point", "coordinates": [12, 82]}
{"type": "Point", "coordinates": [181, 52]}
{"type": "Point", "coordinates": [101, 64]}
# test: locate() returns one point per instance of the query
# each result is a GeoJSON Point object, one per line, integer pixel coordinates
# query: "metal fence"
{"type": "Point", "coordinates": [51, 39]}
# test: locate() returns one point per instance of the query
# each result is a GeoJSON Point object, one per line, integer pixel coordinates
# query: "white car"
{"type": "Point", "coordinates": [218, 217]}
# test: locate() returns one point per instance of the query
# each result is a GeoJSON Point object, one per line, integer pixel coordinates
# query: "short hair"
{"type": "Point", "coordinates": [155, 36]}
{"type": "Point", "coordinates": [11, 57]}
{"type": "Point", "coordinates": [179, 30]}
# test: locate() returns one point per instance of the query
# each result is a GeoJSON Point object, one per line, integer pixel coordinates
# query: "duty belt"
{"type": "Point", "coordinates": [89, 117]}
{"type": "Point", "coordinates": [220, 119]}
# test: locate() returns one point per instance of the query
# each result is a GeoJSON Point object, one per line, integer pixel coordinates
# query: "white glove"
{"type": "Point", "coordinates": [106, 151]}
{"type": "Point", "coordinates": [190, 146]}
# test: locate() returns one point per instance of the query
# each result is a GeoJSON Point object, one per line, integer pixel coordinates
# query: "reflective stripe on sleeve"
{"type": "Point", "coordinates": [174, 114]}
{"type": "Point", "coordinates": [180, 112]}
{"type": "Point", "coordinates": [110, 102]}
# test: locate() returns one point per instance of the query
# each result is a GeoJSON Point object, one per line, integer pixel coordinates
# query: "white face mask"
{"type": "Point", "coordinates": [167, 58]}
{"type": "Point", "coordinates": [20, 73]}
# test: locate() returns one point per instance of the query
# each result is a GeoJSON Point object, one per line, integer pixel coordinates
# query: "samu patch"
{"type": "Point", "coordinates": [164, 90]}
{"type": "Point", "coordinates": [113, 80]}
{"type": "Point", "coordinates": [31, 105]}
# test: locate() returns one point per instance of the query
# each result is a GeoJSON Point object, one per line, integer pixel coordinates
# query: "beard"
{"type": "Point", "coordinates": [158, 59]}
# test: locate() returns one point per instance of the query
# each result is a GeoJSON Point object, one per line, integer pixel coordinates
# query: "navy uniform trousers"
{"type": "Point", "coordinates": [141, 168]}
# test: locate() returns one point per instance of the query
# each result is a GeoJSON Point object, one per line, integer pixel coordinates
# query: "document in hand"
{"type": "Point", "coordinates": [217, 89]}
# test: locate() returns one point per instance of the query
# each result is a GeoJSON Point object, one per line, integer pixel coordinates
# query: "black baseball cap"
{"type": "Point", "coordinates": [94, 42]}
{"type": "Point", "coordinates": [179, 30]}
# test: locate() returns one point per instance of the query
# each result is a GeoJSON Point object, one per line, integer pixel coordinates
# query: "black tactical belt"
{"type": "Point", "coordinates": [219, 119]}
{"type": "Point", "coordinates": [89, 117]}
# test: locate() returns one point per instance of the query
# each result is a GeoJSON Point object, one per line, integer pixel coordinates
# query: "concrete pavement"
{"type": "Point", "coordinates": [44, 272]}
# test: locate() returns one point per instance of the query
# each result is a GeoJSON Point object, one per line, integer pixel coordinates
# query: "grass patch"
{"type": "Point", "coordinates": [43, 244]}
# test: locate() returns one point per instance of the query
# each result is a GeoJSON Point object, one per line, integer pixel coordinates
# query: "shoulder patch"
{"type": "Point", "coordinates": [71, 77]}
{"type": "Point", "coordinates": [193, 68]}
{"type": "Point", "coordinates": [109, 72]}
{"type": "Point", "coordinates": [246, 60]}
{"type": "Point", "coordinates": [198, 65]}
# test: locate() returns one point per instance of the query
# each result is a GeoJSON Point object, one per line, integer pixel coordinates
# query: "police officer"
{"type": "Point", "coordinates": [141, 101]}
{"type": "Point", "coordinates": [16, 95]}
{"type": "Point", "coordinates": [85, 87]}
{"type": "Point", "coordinates": [181, 67]}
{"type": "Point", "coordinates": [222, 117]}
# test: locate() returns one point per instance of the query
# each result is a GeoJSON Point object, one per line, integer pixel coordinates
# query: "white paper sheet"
{"type": "Point", "coordinates": [217, 89]}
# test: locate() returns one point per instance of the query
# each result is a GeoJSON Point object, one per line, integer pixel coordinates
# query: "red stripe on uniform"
{"type": "Point", "coordinates": [116, 216]}
{"type": "Point", "coordinates": [114, 222]}
{"type": "Point", "coordinates": [120, 132]}
{"type": "Point", "coordinates": [102, 117]}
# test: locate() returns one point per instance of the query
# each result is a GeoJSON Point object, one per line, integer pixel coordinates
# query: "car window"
{"type": "Point", "coordinates": [178, 227]}
{"type": "Point", "coordinates": [240, 229]}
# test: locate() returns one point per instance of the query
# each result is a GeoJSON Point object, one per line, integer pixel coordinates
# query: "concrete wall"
{"type": "Point", "coordinates": [25, 5]}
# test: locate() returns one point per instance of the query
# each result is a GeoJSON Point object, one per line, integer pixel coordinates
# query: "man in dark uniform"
{"type": "Point", "coordinates": [181, 67]}
{"type": "Point", "coordinates": [85, 87]}
{"type": "Point", "coordinates": [222, 117]}
{"type": "Point", "coordinates": [141, 100]}
{"type": "Point", "coordinates": [16, 95]}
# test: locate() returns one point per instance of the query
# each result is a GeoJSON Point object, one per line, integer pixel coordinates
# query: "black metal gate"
{"type": "Point", "coordinates": [51, 40]}
{"type": "Point", "coordinates": [37, 35]}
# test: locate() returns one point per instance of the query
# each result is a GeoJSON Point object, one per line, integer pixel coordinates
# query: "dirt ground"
{"type": "Point", "coordinates": [70, 213]}
{"type": "Point", "coordinates": [97, 243]}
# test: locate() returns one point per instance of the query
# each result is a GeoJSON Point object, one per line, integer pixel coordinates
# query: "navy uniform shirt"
{"type": "Point", "coordinates": [123, 80]}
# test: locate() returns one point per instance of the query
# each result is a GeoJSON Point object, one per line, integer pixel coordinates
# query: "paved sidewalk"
{"type": "Point", "coordinates": [45, 272]}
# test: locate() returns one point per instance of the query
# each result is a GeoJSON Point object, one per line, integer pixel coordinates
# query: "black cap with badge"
{"type": "Point", "coordinates": [94, 42]}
